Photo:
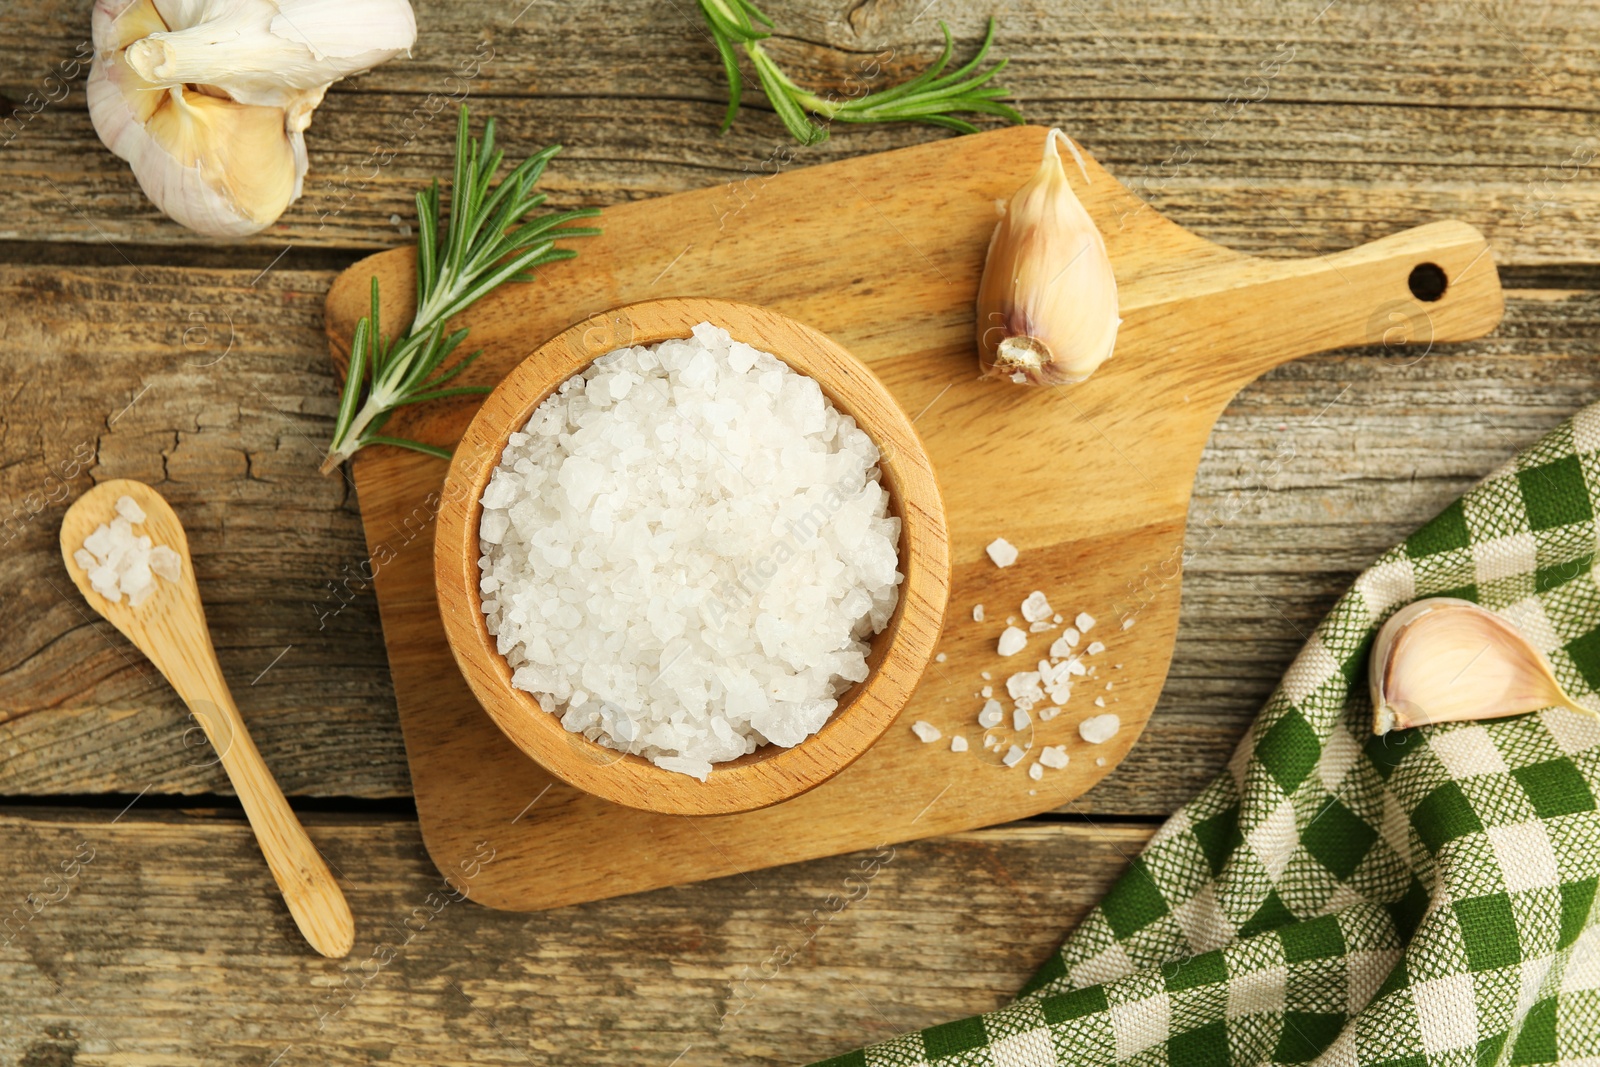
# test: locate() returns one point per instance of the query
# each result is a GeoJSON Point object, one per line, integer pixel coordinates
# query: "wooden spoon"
{"type": "Point", "coordinates": [170, 629]}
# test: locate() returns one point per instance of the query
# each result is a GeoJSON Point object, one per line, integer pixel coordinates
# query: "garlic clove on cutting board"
{"type": "Point", "coordinates": [207, 100]}
{"type": "Point", "coordinates": [1448, 660]}
{"type": "Point", "coordinates": [1047, 303]}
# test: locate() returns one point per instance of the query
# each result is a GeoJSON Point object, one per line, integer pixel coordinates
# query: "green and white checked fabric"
{"type": "Point", "coordinates": [1422, 899]}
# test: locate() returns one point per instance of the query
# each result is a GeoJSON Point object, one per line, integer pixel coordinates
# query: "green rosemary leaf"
{"type": "Point", "coordinates": [484, 237]}
{"type": "Point", "coordinates": [935, 96]}
{"type": "Point", "coordinates": [406, 442]}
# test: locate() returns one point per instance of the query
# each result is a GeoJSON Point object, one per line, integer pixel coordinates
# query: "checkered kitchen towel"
{"type": "Point", "coordinates": [1427, 898]}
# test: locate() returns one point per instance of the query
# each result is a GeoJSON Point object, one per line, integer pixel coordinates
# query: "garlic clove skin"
{"type": "Point", "coordinates": [1047, 303]}
{"type": "Point", "coordinates": [275, 54]}
{"type": "Point", "coordinates": [1448, 660]}
{"type": "Point", "coordinates": [207, 100]}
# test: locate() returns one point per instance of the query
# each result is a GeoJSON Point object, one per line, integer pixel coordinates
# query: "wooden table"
{"type": "Point", "coordinates": [131, 348]}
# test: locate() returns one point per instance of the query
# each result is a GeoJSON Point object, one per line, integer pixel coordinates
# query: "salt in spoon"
{"type": "Point", "coordinates": [170, 629]}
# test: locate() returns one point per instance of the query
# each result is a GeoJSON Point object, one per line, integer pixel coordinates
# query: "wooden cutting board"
{"type": "Point", "coordinates": [1091, 482]}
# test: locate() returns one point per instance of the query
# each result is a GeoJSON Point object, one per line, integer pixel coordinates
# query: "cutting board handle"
{"type": "Point", "coordinates": [1406, 293]}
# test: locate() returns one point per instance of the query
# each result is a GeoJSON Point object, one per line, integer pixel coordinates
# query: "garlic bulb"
{"type": "Point", "coordinates": [208, 100]}
{"type": "Point", "coordinates": [1448, 660]}
{"type": "Point", "coordinates": [1047, 304]}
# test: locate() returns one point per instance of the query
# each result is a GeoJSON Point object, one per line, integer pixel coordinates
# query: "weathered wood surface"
{"type": "Point", "coordinates": [1384, 116]}
{"type": "Point", "coordinates": [1274, 128]}
{"type": "Point", "coordinates": [169, 946]}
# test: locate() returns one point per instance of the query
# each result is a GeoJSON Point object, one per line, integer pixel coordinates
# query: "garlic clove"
{"type": "Point", "coordinates": [1448, 660]}
{"type": "Point", "coordinates": [1047, 303]}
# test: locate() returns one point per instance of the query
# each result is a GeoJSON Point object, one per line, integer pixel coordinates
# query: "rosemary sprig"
{"type": "Point", "coordinates": [464, 251]}
{"type": "Point", "coordinates": [932, 96]}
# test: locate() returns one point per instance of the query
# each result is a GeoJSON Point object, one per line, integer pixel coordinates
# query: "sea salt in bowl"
{"type": "Point", "coordinates": [898, 653]}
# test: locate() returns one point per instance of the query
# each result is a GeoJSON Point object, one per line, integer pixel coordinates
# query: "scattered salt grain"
{"type": "Point", "coordinates": [958, 743]}
{"type": "Point", "coordinates": [1099, 761]}
{"type": "Point", "coordinates": [926, 732]}
{"type": "Point", "coordinates": [977, 613]}
{"type": "Point", "coordinates": [1036, 608]}
{"type": "Point", "coordinates": [1046, 714]}
{"type": "Point", "coordinates": [1095, 648]}
{"type": "Point", "coordinates": [1127, 624]}
{"type": "Point", "coordinates": [1040, 627]}
{"type": "Point", "coordinates": [940, 658]}
{"type": "Point", "coordinates": [1084, 622]}
{"type": "Point", "coordinates": [1053, 756]}
{"type": "Point", "coordinates": [1003, 552]}
{"type": "Point", "coordinates": [1013, 756]}
{"type": "Point", "coordinates": [1099, 702]}
{"type": "Point", "coordinates": [991, 715]}
{"type": "Point", "coordinates": [1012, 641]}
{"type": "Point", "coordinates": [1056, 618]}
{"type": "Point", "coordinates": [1035, 772]}
{"type": "Point", "coordinates": [692, 534]}
{"type": "Point", "coordinates": [1020, 720]}
{"type": "Point", "coordinates": [985, 675]}
{"type": "Point", "coordinates": [987, 691]}
{"type": "Point", "coordinates": [1099, 729]}
{"type": "Point", "coordinates": [120, 563]}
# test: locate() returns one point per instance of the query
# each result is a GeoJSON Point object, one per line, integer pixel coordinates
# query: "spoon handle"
{"type": "Point", "coordinates": [314, 898]}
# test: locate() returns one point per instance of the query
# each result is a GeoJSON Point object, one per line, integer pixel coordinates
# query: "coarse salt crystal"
{"type": "Point", "coordinates": [1013, 756]}
{"type": "Point", "coordinates": [977, 613]}
{"type": "Point", "coordinates": [1003, 552]}
{"type": "Point", "coordinates": [1046, 714]}
{"type": "Point", "coordinates": [129, 509]}
{"type": "Point", "coordinates": [1094, 649]}
{"type": "Point", "coordinates": [1099, 702]}
{"type": "Point", "coordinates": [1020, 719]}
{"type": "Point", "coordinates": [1098, 729]}
{"type": "Point", "coordinates": [1036, 608]}
{"type": "Point", "coordinates": [1053, 756]}
{"type": "Point", "coordinates": [991, 715]}
{"type": "Point", "coordinates": [1127, 624]}
{"type": "Point", "coordinates": [926, 732]}
{"type": "Point", "coordinates": [1056, 618]}
{"type": "Point", "coordinates": [1084, 622]}
{"type": "Point", "coordinates": [985, 675]}
{"type": "Point", "coordinates": [1099, 761]}
{"type": "Point", "coordinates": [1040, 627]}
{"type": "Point", "coordinates": [1035, 772]}
{"type": "Point", "coordinates": [1012, 641]}
{"type": "Point", "coordinates": [958, 743]}
{"type": "Point", "coordinates": [940, 658]}
{"type": "Point", "coordinates": [987, 691]}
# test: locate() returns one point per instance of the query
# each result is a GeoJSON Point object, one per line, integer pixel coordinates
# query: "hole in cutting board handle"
{"type": "Point", "coordinates": [1428, 282]}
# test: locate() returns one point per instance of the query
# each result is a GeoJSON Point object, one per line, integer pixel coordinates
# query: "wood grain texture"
{"type": "Point", "coordinates": [169, 629]}
{"type": "Point", "coordinates": [1199, 322]}
{"type": "Point", "coordinates": [165, 947]}
{"type": "Point", "coordinates": [1345, 121]}
{"type": "Point", "coordinates": [899, 654]}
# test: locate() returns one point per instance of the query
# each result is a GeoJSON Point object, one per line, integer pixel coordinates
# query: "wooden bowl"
{"type": "Point", "coordinates": [899, 654]}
